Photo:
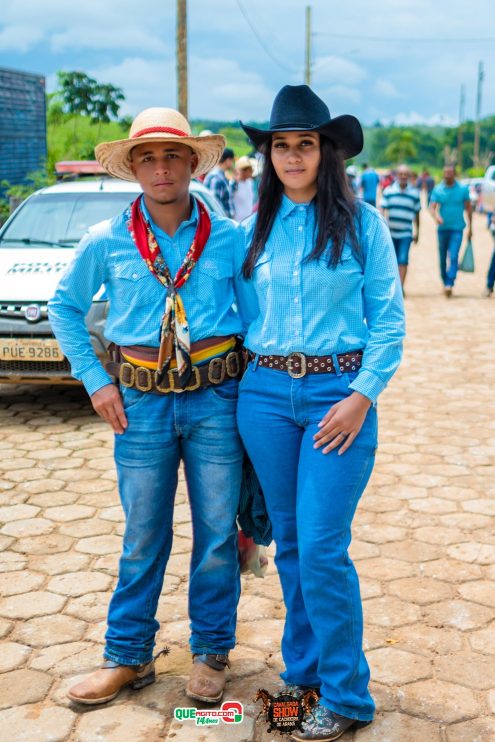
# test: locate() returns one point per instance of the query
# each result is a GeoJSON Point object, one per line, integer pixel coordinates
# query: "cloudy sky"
{"type": "Point", "coordinates": [401, 60]}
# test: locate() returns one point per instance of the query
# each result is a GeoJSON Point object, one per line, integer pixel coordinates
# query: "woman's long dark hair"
{"type": "Point", "coordinates": [334, 202]}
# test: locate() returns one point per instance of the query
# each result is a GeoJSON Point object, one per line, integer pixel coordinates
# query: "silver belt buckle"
{"type": "Point", "coordinates": [291, 359]}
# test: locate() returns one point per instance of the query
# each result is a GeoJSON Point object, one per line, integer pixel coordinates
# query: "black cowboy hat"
{"type": "Point", "coordinates": [298, 108]}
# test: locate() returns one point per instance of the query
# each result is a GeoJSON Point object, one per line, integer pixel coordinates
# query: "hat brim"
{"type": "Point", "coordinates": [345, 131]}
{"type": "Point", "coordinates": [115, 156]}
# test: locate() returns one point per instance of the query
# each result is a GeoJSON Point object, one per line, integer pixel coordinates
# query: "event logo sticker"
{"type": "Point", "coordinates": [286, 712]}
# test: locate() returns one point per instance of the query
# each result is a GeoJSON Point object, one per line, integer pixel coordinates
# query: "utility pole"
{"type": "Point", "coordinates": [181, 49]}
{"type": "Point", "coordinates": [479, 94]}
{"type": "Point", "coordinates": [307, 65]}
{"type": "Point", "coordinates": [462, 105]}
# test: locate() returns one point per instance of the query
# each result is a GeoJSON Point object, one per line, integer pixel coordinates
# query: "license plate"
{"type": "Point", "coordinates": [35, 350]}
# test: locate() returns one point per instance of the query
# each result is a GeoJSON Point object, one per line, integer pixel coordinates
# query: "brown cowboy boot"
{"type": "Point", "coordinates": [207, 679]}
{"type": "Point", "coordinates": [104, 684]}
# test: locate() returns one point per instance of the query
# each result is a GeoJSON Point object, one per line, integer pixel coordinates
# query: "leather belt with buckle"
{"type": "Point", "coordinates": [298, 364]}
{"type": "Point", "coordinates": [213, 373]}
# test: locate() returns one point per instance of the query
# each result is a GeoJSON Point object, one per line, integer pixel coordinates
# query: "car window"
{"type": "Point", "coordinates": [61, 218]}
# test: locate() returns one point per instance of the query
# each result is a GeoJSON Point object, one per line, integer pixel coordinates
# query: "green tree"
{"type": "Point", "coordinates": [401, 146]}
{"type": "Point", "coordinates": [76, 90]}
{"type": "Point", "coordinates": [81, 95]}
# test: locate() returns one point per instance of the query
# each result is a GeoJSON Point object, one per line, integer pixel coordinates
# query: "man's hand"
{"type": "Point", "coordinates": [107, 402]}
{"type": "Point", "coordinates": [342, 423]}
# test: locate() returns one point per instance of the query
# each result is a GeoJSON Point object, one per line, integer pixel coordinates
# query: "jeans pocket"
{"type": "Point", "coordinates": [227, 391]}
{"type": "Point", "coordinates": [130, 397]}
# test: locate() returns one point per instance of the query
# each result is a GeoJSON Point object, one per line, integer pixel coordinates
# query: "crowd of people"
{"type": "Point", "coordinates": [235, 184]}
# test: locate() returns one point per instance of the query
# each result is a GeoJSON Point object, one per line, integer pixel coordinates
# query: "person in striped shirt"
{"type": "Point", "coordinates": [401, 206]}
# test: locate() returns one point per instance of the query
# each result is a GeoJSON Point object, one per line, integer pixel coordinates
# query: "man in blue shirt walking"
{"type": "Point", "coordinates": [188, 348]}
{"type": "Point", "coordinates": [369, 184]}
{"type": "Point", "coordinates": [449, 201]}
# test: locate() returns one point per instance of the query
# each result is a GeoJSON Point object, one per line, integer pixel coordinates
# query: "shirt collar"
{"type": "Point", "coordinates": [192, 221]}
{"type": "Point", "coordinates": [288, 207]}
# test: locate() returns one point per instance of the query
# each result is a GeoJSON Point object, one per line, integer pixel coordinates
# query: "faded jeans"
{"type": "Point", "coordinates": [200, 428]}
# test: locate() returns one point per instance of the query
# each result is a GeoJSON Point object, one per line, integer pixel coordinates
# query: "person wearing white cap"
{"type": "Point", "coordinates": [244, 190]}
{"type": "Point", "coordinates": [170, 270]}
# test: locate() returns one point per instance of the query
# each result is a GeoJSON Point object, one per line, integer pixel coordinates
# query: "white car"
{"type": "Point", "coordinates": [37, 243]}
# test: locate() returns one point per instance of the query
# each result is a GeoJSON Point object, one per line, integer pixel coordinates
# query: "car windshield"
{"type": "Point", "coordinates": [61, 219]}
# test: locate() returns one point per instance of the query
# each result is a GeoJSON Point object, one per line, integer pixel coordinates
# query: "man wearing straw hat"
{"type": "Point", "coordinates": [171, 271]}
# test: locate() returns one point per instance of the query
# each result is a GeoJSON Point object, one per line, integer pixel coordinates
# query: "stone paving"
{"type": "Point", "coordinates": [424, 545]}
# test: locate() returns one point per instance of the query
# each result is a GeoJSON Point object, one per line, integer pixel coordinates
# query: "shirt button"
{"type": "Point", "coordinates": [300, 229]}
{"type": "Point", "coordinates": [134, 275]}
{"type": "Point", "coordinates": [296, 273]}
{"type": "Point", "coordinates": [296, 300]}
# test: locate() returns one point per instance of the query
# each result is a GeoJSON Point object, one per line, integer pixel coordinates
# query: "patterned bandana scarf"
{"type": "Point", "coordinates": [174, 333]}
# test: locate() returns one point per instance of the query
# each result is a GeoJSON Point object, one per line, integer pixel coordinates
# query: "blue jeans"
{"type": "Point", "coordinates": [199, 427]}
{"type": "Point", "coordinates": [449, 244]}
{"type": "Point", "coordinates": [490, 279]}
{"type": "Point", "coordinates": [311, 499]}
{"type": "Point", "coordinates": [402, 245]}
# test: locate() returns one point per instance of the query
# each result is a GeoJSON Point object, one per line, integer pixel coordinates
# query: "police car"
{"type": "Point", "coordinates": [36, 245]}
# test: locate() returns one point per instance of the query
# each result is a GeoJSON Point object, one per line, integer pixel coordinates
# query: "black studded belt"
{"type": "Point", "coordinates": [298, 365]}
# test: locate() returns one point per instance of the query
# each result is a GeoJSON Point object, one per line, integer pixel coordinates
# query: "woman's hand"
{"type": "Point", "coordinates": [342, 423]}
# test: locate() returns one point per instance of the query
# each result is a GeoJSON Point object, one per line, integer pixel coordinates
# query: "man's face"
{"type": "Point", "coordinates": [163, 170]}
{"type": "Point", "coordinates": [245, 173]}
{"type": "Point", "coordinates": [403, 176]}
{"type": "Point", "coordinates": [449, 174]}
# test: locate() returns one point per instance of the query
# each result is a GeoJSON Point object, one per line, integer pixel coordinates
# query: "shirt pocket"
{"type": "Point", "coordinates": [262, 273]}
{"type": "Point", "coordinates": [135, 284]}
{"type": "Point", "coordinates": [215, 269]}
{"type": "Point", "coordinates": [333, 283]}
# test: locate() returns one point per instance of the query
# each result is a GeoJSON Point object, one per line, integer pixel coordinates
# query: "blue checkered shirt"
{"type": "Point", "coordinates": [107, 256]}
{"type": "Point", "coordinates": [312, 308]}
{"type": "Point", "coordinates": [217, 182]}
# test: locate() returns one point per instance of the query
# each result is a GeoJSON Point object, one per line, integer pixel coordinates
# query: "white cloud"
{"type": "Point", "coordinates": [115, 38]}
{"type": "Point", "coordinates": [145, 82]}
{"type": "Point", "coordinates": [333, 70]}
{"type": "Point", "coordinates": [412, 118]}
{"type": "Point", "coordinates": [386, 89]}
{"type": "Point", "coordinates": [218, 87]}
{"type": "Point", "coordinates": [19, 37]}
{"type": "Point", "coordinates": [338, 97]}
{"type": "Point", "coordinates": [386, 66]}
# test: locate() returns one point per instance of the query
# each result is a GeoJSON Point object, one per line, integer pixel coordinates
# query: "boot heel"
{"type": "Point", "coordinates": [148, 679]}
{"type": "Point", "coordinates": [361, 724]}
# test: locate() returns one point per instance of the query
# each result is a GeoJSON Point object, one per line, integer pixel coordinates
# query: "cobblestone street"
{"type": "Point", "coordinates": [424, 546]}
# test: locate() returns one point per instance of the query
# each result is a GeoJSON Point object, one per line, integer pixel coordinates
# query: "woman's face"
{"type": "Point", "coordinates": [296, 157]}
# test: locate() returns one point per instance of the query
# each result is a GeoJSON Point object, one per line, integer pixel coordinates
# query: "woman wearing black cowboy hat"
{"type": "Point", "coordinates": [326, 339]}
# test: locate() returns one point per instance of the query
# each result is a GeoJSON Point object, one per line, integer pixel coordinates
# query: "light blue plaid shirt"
{"type": "Point", "coordinates": [108, 256]}
{"type": "Point", "coordinates": [309, 307]}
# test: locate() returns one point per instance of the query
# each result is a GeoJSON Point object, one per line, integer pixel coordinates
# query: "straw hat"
{"type": "Point", "coordinates": [158, 125]}
{"type": "Point", "coordinates": [243, 163]}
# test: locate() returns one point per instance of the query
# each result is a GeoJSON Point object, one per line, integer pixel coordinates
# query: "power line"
{"type": "Point", "coordinates": [391, 39]}
{"type": "Point", "coordinates": [260, 40]}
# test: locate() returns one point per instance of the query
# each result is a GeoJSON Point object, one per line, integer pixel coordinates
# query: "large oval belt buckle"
{"type": "Point", "coordinates": [292, 359]}
{"type": "Point", "coordinates": [127, 374]}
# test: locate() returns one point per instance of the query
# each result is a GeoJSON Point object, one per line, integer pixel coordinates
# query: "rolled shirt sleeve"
{"type": "Point", "coordinates": [383, 312]}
